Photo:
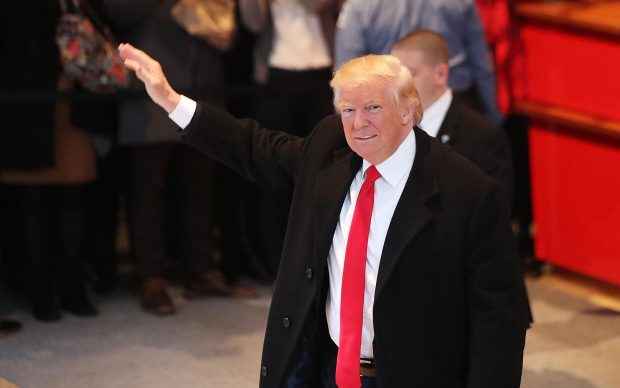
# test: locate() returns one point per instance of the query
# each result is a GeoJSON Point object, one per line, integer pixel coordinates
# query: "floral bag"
{"type": "Point", "coordinates": [87, 49]}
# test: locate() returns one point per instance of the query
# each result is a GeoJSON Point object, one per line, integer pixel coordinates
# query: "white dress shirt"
{"type": "Point", "coordinates": [434, 114]}
{"type": "Point", "coordinates": [388, 189]}
{"type": "Point", "coordinates": [183, 112]}
{"type": "Point", "coordinates": [298, 41]}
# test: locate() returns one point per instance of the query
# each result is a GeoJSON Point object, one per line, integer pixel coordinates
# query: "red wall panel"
{"type": "Point", "coordinates": [576, 199]}
{"type": "Point", "coordinates": [573, 69]}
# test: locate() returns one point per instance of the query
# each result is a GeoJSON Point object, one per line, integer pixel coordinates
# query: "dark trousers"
{"type": "Point", "coordinates": [49, 228]}
{"type": "Point", "coordinates": [517, 126]}
{"type": "Point", "coordinates": [157, 169]}
{"type": "Point", "coordinates": [102, 211]}
{"type": "Point", "coordinates": [235, 216]}
{"type": "Point", "coordinates": [312, 371]}
{"type": "Point", "coordinates": [300, 101]}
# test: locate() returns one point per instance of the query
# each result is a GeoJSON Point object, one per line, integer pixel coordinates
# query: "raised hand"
{"type": "Point", "coordinates": [150, 73]}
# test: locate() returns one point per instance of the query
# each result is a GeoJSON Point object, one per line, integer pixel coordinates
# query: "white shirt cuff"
{"type": "Point", "coordinates": [184, 111]}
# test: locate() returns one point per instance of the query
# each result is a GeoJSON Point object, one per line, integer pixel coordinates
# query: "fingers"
{"type": "Point", "coordinates": [137, 68]}
{"type": "Point", "coordinates": [150, 73]}
{"type": "Point", "coordinates": [131, 64]}
{"type": "Point", "coordinates": [125, 50]}
{"type": "Point", "coordinates": [128, 52]}
{"type": "Point", "coordinates": [142, 73]}
{"type": "Point", "coordinates": [137, 60]}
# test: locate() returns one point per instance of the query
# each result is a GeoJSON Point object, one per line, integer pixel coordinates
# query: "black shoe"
{"type": "Point", "coordinates": [45, 310]}
{"type": "Point", "coordinates": [74, 298]}
{"type": "Point", "coordinates": [79, 306]}
{"type": "Point", "coordinates": [42, 297]}
{"type": "Point", "coordinates": [104, 286]}
{"type": "Point", "coordinates": [9, 326]}
{"type": "Point", "coordinates": [535, 268]}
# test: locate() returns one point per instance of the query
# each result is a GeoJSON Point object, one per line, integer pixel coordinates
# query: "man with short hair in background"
{"type": "Point", "coordinates": [425, 53]}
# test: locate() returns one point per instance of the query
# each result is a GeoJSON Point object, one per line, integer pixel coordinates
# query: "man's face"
{"type": "Point", "coordinates": [374, 125]}
{"type": "Point", "coordinates": [425, 76]}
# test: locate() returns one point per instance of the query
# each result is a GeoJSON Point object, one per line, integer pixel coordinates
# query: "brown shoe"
{"type": "Point", "coordinates": [155, 298]}
{"type": "Point", "coordinates": [213, 283]}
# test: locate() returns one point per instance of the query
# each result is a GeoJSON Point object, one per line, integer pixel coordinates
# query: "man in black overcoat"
{"type": "Point", "coordinates": [444, 303]}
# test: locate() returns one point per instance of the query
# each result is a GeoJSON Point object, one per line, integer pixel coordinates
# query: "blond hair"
{"type": "Point", "coordinates": [374, 69]}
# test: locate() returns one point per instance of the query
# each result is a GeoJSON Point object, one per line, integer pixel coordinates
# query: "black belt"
{"type": "Point", "coordinates": [367, 368]}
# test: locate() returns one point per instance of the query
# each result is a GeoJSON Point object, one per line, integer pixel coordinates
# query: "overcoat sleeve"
{"type": "Point", "coordinates": [498, 311]}
{"type": "Point", "coordinates": [270, 158]}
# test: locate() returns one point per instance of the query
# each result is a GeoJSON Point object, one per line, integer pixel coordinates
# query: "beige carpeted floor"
{"type": "Point", "coordinates": [575, 342]}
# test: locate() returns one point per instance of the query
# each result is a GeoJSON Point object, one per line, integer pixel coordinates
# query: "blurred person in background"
{"type": "Point", "coordinates": [45, 164]}
{"type": "Point", "coordinates": [99, 118]}
{"type": "Point", "coordinates": [373, 26]}
{"type": "Point", "coordinates": [293, 59]}
{"type": "Point", "coordinates": [7, 326]}
{"type": "Point", "coordinates": [171, 185]}
{"type": "Point", "coordinates": [425, 53]}
{"type": "Point", "coordinates": [506, 45]}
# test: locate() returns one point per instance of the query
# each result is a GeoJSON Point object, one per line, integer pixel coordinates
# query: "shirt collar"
{"type": "Point", "coordinates": [399, 164]}
{"type": "Point", "coordinates": [434, 115]}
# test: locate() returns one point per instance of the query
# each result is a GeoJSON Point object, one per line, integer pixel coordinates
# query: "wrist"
{"type": "Point", "coordinates": [171, 101]}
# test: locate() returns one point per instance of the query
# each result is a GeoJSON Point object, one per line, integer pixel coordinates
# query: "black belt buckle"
{"type": "Point", "coordinates": [367, 368]}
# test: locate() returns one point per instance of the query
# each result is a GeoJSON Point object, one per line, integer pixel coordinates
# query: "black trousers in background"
{"type": "Point", "coordinates": [153, 169]}
{"type": "Point", "coordinates": [302, 99]}
{"type": "Point", "coordinates": [235, 215]}
{"type": "Point", "coordinates": [49, 228]}
{"type": "Point", "coordinates": [517, 128]}
{"type": "Point", "coordinates": [103, 200]}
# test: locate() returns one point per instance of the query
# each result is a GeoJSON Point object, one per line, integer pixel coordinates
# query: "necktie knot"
{"type": "Point", "coordinates": [372, 174]}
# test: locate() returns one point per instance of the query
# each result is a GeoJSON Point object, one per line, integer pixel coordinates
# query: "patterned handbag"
{"type": "Point", "coordinates": [87, 49]}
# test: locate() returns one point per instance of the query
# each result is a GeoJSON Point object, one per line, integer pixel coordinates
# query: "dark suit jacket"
{"type": "Point", "coordinates": [481, 141]}
{"type": "Point", "coordinates": [450, 307]}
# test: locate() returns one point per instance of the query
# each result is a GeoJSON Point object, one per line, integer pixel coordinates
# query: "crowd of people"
{"type": "Point", "coordinates": [69, 169]}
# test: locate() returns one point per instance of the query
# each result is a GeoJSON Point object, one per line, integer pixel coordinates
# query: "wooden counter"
{"type": "Point", "coordinates": [593, 16]}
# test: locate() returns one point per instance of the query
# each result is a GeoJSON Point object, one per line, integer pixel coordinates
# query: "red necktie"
{"type": "Point", "coordinates": [353, 285]}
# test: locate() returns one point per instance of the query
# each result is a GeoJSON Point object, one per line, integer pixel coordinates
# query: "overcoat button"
{"type": "Point", "coordinates": [286, 322]}
{"type": "Point", "coordinates": [263, 371]}
{"type": "Point", "coordinates": [309, 273]}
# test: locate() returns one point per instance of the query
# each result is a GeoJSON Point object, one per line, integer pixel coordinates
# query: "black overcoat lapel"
{"type": "Point", "coordinates": [449, 127]}
{"type": "Point", "coordinates": [411, 213]}
{"type": "Point", "coordinates": [330, 190]}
